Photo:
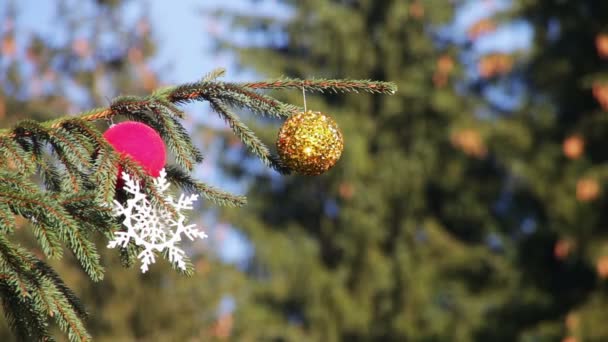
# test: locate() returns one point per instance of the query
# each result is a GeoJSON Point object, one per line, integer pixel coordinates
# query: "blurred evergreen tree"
{"type": "Point", "coordinates": [559, 176]}
{"type": "Point", "coordinates": [404, 239]}
{"type": "Point", "coordinates": [452, 216]}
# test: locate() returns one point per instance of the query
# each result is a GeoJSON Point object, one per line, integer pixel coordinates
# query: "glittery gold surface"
{"type": "Point", "coordinates": [310, 143]}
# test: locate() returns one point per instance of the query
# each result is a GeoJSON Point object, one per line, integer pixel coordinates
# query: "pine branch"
{"type": "Point", "coordinates": [7, 219]}
{"type": "Point", "coordinates": [11, 150]}
{"type": "Point", "coordinates": [204, 90]}
{"type": "Point", "coordinates": [322, 85]}
{"type": "Point", "coordinates": [41, 293]}
{"type": "Point", "coordinates": [26, 323]}
{"type": "Point", "coordinates": [48, 212]}
{"type": "Point", "coordinates": [185, 181]}
{"type": "Point", "coordinates": [247, 136]}
{"type": "Point", "coordinates": [79, 170]}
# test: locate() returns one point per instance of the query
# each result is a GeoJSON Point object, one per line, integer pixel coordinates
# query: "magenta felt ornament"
{"type": "Point", "coordinates": [140, 142]}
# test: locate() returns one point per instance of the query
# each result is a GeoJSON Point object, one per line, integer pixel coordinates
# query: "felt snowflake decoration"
{"type": "Point", "coordinates": [153, 226]}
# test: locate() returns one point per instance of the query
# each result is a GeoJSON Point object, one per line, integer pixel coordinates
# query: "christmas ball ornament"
{"type": "Point", "coordinates": [310, 143]}
{"type": "Point", "coordinates": [140, 142]}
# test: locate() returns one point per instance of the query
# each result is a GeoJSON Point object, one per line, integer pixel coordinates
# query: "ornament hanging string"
{"type": "Point", "coordinates": [304, 96]}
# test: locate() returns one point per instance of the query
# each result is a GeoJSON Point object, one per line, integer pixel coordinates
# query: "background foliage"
{"type": "Point", "coordinates": [451, 216]}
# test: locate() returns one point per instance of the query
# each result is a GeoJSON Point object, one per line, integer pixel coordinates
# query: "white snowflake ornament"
{"type": "Point", "coordinates": [153, 226]}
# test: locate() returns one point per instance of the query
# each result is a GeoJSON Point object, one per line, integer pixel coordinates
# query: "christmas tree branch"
{"type": "Point", "coordinates": [183, 180]}
{"type": "Point", "coordinates": [33, 291]}
{"type": "Point", "coordinates": [322, 85]}
{"type": "Point", "coordinates": [237, 93]}
{"type": "Point", "coordinates": [249, 138]}
{"type": "Point", "coordinates": [79, 168]}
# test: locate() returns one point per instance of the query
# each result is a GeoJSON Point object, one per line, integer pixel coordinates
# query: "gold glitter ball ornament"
{"type": "Point", "coordinates": [310, 143]}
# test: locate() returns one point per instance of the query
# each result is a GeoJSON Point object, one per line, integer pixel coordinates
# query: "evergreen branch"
{"type": "Point", "coordinates": [48, 240]}
{"type": "Point", "coordinates": [24, 312]}
{"type": "Point", "coordinates": [7, 219]}
{"type": "Point", "coordinates": [70, 296]}
{"type": "Point", "coordinates": [74, 179]}
{"type": "Point", "coordinates": [46, 210]}
{"type": "Point", "coordinates": [66, 145]}
{"type": "Point", "coordinates": [14, 269]}
{"type": "Point", "coordinates": [213, 75]}
{"type": "Point", "coordinates": [89, 137]}
{"type": "Point", "coordinates": [321, 85]}
{"type": "Point", "coordinates": [104, 169]}
{"type": "Point", "coordinates": [247, 136]}
{"type": "Point", "coordinates": [176, 112]}
{"type": "Point", "coordinates": [11, 150]}
{"type": "Point", "coordinates": [185, 181]}
{"type": "Point", "coordinates": [128, 255]}
{"type": "Point", "coordinates": [42, 291]}
{"type": "Point", "coordinates": [49, 173]}
{"type": "Point", "coordinates": [165, 123]}
{"type": "Point", "coordinates": [178, 141]}
{"type": "Point", "coordinates": [85, 209]}
{"type": "Point", "coordinates": [69, 322]}
{"type": "Point", "coordinates": [72, 156]}
{"type": "Point", "coordinates": [208, 89]}
{"type": "Point", "coordinates": [16, 182]}
{"type": "Point", "coordinates": [45, 272]}
{"type": "Point", "coordinates": [258, 103]}
{"type": "Point", "coordinates": [189, 267]}
{"type": "Point", "coordinates": [51, 177]}
{"type": "Point", "coordinates": [235, 94]}
{"type": "Point", "coordinates": [106, 174]}
{"type": "Point", "coordinates": [22, 318]}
